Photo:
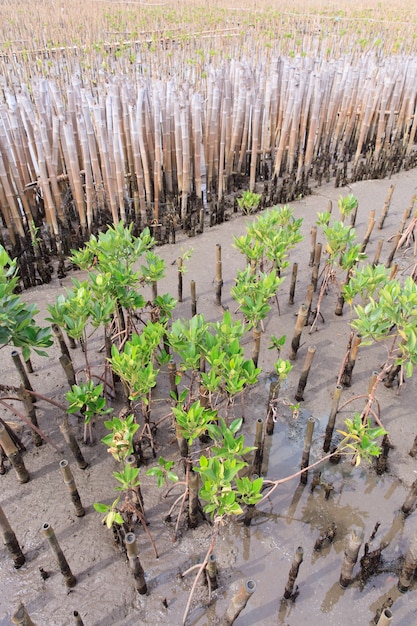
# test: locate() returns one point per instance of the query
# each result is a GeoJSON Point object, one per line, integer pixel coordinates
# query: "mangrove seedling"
{"type": "Point", "coordinates": [87, 399]}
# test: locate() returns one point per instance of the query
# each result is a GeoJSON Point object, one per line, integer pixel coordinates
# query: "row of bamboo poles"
{"type": "Point", "coordinates": [80, 153]}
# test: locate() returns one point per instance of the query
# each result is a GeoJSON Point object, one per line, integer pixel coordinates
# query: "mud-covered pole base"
{"type": "Point", "coordinates": [10, 541]}
{"type": "Point", "coordinates": [292, 576]}
{"type": "Point", "coordinates": [13, 455]}
{"type": "Point", "coordinates": [48, 532]}
{"type": "Point", "coordinates": [351, 556]}
{"type": "Point", "coordinates": [72, 487]}
{"type": "Point", "coordinates": [409, 567]}
{"type": "Point", "coordinates": [21, 616]}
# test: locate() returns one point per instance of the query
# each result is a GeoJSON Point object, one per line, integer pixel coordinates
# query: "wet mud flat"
{"type": "Point", "coordinates": [293, 516]}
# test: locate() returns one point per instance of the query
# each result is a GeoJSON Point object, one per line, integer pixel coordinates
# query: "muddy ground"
{"type": "Point", "coordinates": [294, 516]}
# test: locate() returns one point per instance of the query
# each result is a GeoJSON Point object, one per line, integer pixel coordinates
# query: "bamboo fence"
{"type": "Point", "coordinates": [152, 133]}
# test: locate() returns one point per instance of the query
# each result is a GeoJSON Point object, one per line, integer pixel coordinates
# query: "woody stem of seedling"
{"type": "Point", "coordinates": [219, 279]}
{"type": "Point", "coordinates": [378, 251]}
{"type": "Point", "coordinates": [48, 532]}
{"type": "Point", "coordinates": [316, 265]}
{"type": "Point", "coordinates": [13, 455]}
{"type": "Point", "coordinates": [313, 245]}
{"type": "Point", "coordinates": [179, 266]}
{"type": "Point", "coordinates": [72, 487]}
{"type": "Point", "coordinates": [10, 541]}
{"type": "Point", "coordinates": [311, 351]}
{"type": "Point", "coordinates": [193, 298]}
{"type": "Point", "coordinates": [369, 229]}
{"type": "Point", "coordinates": [306, 450]}
{"type": "Point", "coordinates": [22, 373]}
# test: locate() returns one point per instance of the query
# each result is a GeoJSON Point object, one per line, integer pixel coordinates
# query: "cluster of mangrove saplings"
{"type": "Point", "coordinates": [159, 133]}
{"type": "Point", "coordinates": [217, 474]}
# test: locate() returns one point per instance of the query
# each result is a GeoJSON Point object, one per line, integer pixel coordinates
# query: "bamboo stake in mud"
{"type": "Point", "coordinates": [238, 602]}
{"type": "Point", "coordinates": [299, 325]}
{"type": "Point", "coordinates": [180, 272]}
{"type": "Point", "coordinates": [308, 302]}
{"type": "Point", "coordinates": [13, 455]}
{"type": "Point", "coordinates": [332, 417]}
{"type": "Point", "coordinates": [409, 567]}
{"type": "Point", "coordinates": [259, 447]}
{"type": "Point", "coordinates": [316, 265]}
{"type": "Point", "coordinates": [219, 279]}
{"type": "Point", "coordinates": [193, 502]}
{"type": "Point", "coordinates": [22, 373]}
{"type": "Point", "coordinates": [306, 450]}
{"type": "Point", "coordinates": [10, 541]}
{"type": "Point", "coordinates": [172, 370]}
{"type": "Point", "coordinates": [211, 569]}
{"type": "Point", "coordinates": [72, 487]}
{"type": "Point", "coordinates": [413, 451]}
{"type": "Point", "coordinates": [135, 564]}
{"type": "Point", "coordinates": [21, 617]}
{"type": "Point", "coordinates": [393, 250]}
{"type": "Point", "coordinates": [48, 532]}
{"type": "Point", "coordinates": [68, 368]}
{"type": "Point", "coordinates": [385, 618]}
{"type": "Point", "coordinates": [28, 403]}
{"type": "Point", "coordinates": [59, 336]}
{"type": "Point", "coordinates": [410, 499]}
{"type": "Point", "coordinates": [193, 298]}
{"type": "Point", "coordinates": [69, 437]}
{"type": "Point", "coordinates": [313, 245]}
{"type": "Point", "coordinates": [256, 346]}
{"type": "Point", "coordinates": [377, 252]}
{"type": "Point", "coordinates": [293, 281]}
{"type": "Point", "coordinates": [351, 556]}
{"type": "Point", "coordinates": [77, 619]}
{"type": "Point", "coordinates": [369, 229]}
{"type": "Point", "coordinates": [382, 460]}
{"type": "Point", "coordinates": [311, 351]}
{"type": "Point", "coordinates": [386, 206]}
{"type": "Point", "coordinates": [292, 576]}
{"type": "Point", "coordinates": [346, 377]}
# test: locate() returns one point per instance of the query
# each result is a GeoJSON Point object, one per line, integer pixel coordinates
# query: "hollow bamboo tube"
{"type": "Point", "coordinates": [219, 280]}
{"type": "Point", "coordinates": [28, 403]}
{"type": "Point", "coordinates": [410, 499]}
{"type": "Point", "coordinates": [59, 336]}
{"type": "Point", "coordinates": [69, 437]}
{"type": "Point", "coordinates": [332, 417]}
{"type": "Point", "coordinates": [385, 618]}
{"type": "Point", "coordinates": [409, 566]}
{"type": "Point", "coordinates": [299, 325]}
{"type": "Point", "coordinates": [13, 455]}
{"type": "Point", "coordinates": [273, 395]}
{"type": "Point", "coordinates": [346, 378]}
{"type": "Point", "coordinates": [353, 215]}
{"type": "Point", "coordinates": [68, 368]}
{"type": "Point", "coordinates": [77, 619]}
{"type": "Point", "coordinates": [369, 229]}
{"type": "Point", "coordinates": [238, 602]}
{"type": "Point", "coordinates": [211, 569]}
{"type": "Point", "coordinates": [48, 532]}
{"type": "Point", "coordinates": [351, 556]}
{"type": "Point", "coordinates": [29, 366]}
{"type": "Point", "coordinates": [316, 265]}
{"type": "Point", "coordinates": [10, 541]}
{"type": "Point", "coordinates": [308, 301]}
{"type": "Point", "coordinates": [21, 617]}
{"type": "Point", "coordinates": [180, 281]}
{"type": "Point", "coordinates": [313, 245]}
{"type": "Point", "coordinates": [135, 564]}
{"type": "Point", "coordinates": [293, 281]}
{"type": "Point", "coordinates": [182, 442]}
{"type": "Point", "coordinates": [311, 351]}
{"type": "Point", "coordinates": [172, 370]}
{"type": "Point", "coordinates": [386, 206]}
{"type": "Point", "coordinates": [72, 487]}
{"type": "Point", "coordinates": [22, 373]}
{"type": "Point", "coordinates": [393, 250]}
{"type": "Point", "coordinates": [377, 252]}
{"type": "Point", "coordinates": [259, 447]}
{"type": "Point", "coordinates": [306, 450]}
{"type": "Point", "coordinates": [292, 576]}
{"type": "Point", "coordinates": [193, 298]}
